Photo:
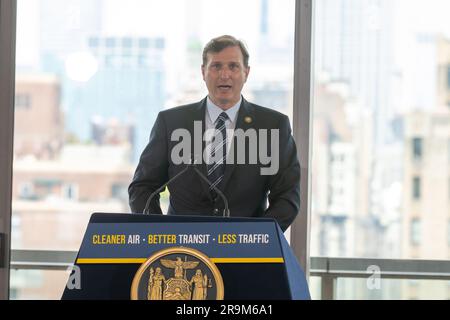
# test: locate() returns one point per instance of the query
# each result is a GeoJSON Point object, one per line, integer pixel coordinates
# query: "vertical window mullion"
{"type": "Point", "coordinates": [7, 80]}
{"type": "Point", "coordinates": [300, 230]}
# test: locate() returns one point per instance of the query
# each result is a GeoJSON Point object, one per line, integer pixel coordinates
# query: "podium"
{"type": "Point", "coordinates": [161, 257]}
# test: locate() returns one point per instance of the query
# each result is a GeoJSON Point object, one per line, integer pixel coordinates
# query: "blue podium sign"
{"type": "Point", "coordinates": [157, 257]}
{"type": "Point", "coordinates": [135, 242]}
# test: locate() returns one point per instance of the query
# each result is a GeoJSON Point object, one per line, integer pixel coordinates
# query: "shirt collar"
{"type": "Point", "coordinates": [215, 111]}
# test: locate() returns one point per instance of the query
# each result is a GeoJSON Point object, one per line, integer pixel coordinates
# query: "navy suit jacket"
{"type": "Point", "coordinates": [249, 193]}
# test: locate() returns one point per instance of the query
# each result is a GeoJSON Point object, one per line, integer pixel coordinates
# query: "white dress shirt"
{"type": "Point", "coordinates": [213, 112]}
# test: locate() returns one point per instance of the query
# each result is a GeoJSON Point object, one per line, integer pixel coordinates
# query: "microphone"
{"type": "Point", "coordinates": [157, 191]}
{"type": "Point", "coordinates": [226, 210]}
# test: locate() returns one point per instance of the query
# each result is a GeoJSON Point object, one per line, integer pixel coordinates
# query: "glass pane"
{"type": "Point", "coordinates": [315, 284]}
{"type": "Point", "coordinates": [37, 284]}
{"type": "Point", "coordinates": [381, 126]}
{"type": "Point", "coordinates": [91, 77]}
{"type": "Point", "coordinates": [392, 289]}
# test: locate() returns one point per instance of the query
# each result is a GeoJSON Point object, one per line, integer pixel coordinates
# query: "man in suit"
{"type": "Point", "coordinates": [225, 113]}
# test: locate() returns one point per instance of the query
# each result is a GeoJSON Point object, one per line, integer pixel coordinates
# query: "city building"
{"type": "Point", "coordinates": [38, 117]}
{"type": "Point", "coordinates": [91, 79]}
{"type": "Point", "coordinates": [53, 201]}
{"type": "Point", "coordinates": [443, 71]}
{"type": "Point", "coordinates": [127, 86]}
{"type": "Point", "coordinates": [426, 197]}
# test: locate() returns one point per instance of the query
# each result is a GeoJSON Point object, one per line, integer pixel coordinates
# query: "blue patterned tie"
{"type": "Point", "coordinates": [218, 147]}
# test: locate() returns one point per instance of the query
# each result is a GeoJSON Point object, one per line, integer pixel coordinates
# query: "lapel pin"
{"type": "Point", "coordinates": [248, 120]}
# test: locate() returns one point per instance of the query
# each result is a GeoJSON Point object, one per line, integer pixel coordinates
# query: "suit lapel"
{"type": "Point", "coordinates": [245, 120]}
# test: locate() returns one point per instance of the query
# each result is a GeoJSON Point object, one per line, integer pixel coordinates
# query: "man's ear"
{"type": "Point", "coordinates": [247, 71]}
{"type": "Point", "coordinates": [203, 71]}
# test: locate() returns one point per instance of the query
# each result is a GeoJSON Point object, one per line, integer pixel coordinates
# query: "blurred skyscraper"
{"type": "Point", "coordinates": [72, 22]}
{"type": "Point", "coordinates": [104, 77]}
{"type": "Point", "coordinates": [272, 78]}
{"type": "Point", "coordinates": [353, 45]}
{"type": "Point", "coordinates": [354, 48]}
{"type": "Point", "coordinates": [127, 87]}
{"type": "Point", "coordinates": [426, 179]}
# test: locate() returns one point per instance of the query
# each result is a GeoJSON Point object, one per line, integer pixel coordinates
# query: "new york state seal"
{"type": "Point", "coordinates": [178, 273]}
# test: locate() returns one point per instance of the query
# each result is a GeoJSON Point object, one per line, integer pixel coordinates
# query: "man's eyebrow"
{"type": "Point", "coordinates": [225, 62]}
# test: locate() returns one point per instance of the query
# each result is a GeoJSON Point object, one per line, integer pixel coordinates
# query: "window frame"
{"type": "Point", "coordinates": [302, 97]}
{"type": "Point", "coordinates": [8, 10]}
{"type": "Point", "coordinates": [302, 128]}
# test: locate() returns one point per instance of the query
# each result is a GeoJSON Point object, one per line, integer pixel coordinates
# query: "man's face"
{"type": "Point", "coordinates": [225, 75]}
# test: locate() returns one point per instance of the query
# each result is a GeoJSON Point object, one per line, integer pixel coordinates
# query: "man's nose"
{"type": "Point", "coordinates": [225, 73]}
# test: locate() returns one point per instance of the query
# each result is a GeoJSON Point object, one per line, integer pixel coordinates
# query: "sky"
{"type": "Point", "coordinates": [425, 16]}
{"type": "Point", "coordinates": [176, 20]}
{"type": "Point", "coordinates": [173, 19]}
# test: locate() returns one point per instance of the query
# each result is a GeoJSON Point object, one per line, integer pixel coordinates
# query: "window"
{"type": "Point", "coordinates": [417, 148]}
{"type": "Point", "coordinates": [448, 150]}
{"type": "Point", "coordinates": [23, 101]}
{"type": "Point", "coordinates": [142, 61]}
{"type": "Point", "coordinates": [110, 42]}
{"type": "Point", "coordinates": [448, 77]}
{"type": "Point", "coordinates": [415, 232]}
{"type": "Point", "coordinates": [93, 42]}
{"type": "Point", "coordinates": [416, 192]}
{"type": "Point", "coordinates": [144, 43]}
{"type": "Point", "coordinates": [127, 42]}
{"type": "Point", "coordinates": [119, 191]}
{"type": "Point", "coordinates": [26, 191]}
{"type": "Point", "coordinates": [70, 191]}
{"type": "Point", "coordinates": [448, 233]}
{"type": "Point", "coordinates": [129, 62]}
{"type": "Point", "coordinates": [372, 96]}
{"type": "Point", "coordinates": [159, 43]}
